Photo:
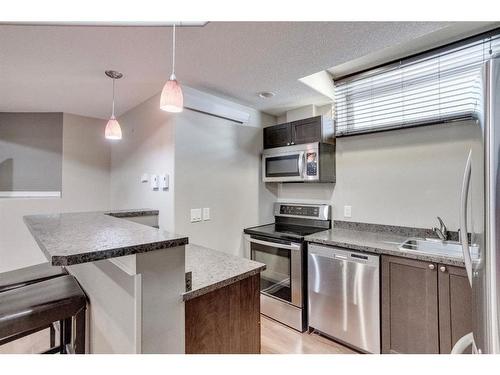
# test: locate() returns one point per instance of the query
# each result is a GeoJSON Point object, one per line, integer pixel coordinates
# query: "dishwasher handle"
{"type": "Point", "coordinates": [343, 255]}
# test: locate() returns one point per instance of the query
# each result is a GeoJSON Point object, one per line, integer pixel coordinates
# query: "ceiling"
{"type": "Point", "coordinates": [61, 68]}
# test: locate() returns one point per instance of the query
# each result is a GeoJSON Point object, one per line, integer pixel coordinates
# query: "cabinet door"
{"type": "Point", "coordinates": [277, 136]}
{"type": "Point", "coordinates": [455, 306]}
{"type": "Point", "coordinates": [306, 131]}
{"type": "Point", "coordinates": [409, 306]}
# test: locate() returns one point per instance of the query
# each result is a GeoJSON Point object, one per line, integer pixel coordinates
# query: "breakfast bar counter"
{"type": "Point", "coordinates": [132, 274]}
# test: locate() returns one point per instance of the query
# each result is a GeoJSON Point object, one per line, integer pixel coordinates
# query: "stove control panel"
{"type": "Point", "coordinates": [311, 211]}
{"type": "Point", "coordinates": [300, 210]}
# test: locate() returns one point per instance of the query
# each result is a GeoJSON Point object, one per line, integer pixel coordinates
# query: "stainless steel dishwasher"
{"type": "Point", "coordinates": [344, 296]}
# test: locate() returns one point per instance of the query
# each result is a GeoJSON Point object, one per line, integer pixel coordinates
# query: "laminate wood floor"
{"type": "Point", "coordinates": [277, 338]}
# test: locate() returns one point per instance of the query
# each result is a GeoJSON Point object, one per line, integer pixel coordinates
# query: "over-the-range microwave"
{"type": "Point", "coordinates": [311, 162]}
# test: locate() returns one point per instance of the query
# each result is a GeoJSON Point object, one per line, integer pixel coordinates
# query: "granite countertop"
{"type": "Point", "coordinates": [376, 242]}
{"type": "Point", "coordinates": [72, 238]}
{"type": "Point", "coordinates": [212, 269]}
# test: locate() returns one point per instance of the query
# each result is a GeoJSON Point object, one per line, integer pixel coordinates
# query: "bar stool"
{"type": "Point", "coordinates": [29, 275]}
{"type": "Point", "coordinates": [35, 307]}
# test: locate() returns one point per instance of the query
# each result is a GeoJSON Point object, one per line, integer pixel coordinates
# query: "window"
{"type": "Point", "coordinates": [435, 87]}
{"type": "Point", "coordinates": [30, 154]}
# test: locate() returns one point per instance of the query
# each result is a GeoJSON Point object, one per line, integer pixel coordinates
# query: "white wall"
{"type": "Point", "coordinates": [403, 177]}
{"type": "Point", "coordinates": [148, 147]}
{"type": "Point", "coordinates": [85, 187]}
{"type": "Point", "coordinates": [216, 164]}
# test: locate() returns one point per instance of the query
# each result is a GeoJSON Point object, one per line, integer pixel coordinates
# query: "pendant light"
{"type": "Point", "coordinates": [172, 99]}
{"type": "Point", "coordinates": [113, 130]}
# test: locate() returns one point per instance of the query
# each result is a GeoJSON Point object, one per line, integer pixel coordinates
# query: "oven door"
{"type": "Point", "coordinates": [282, 278]}
{"type": "Point", "coordinates": [283, 166]}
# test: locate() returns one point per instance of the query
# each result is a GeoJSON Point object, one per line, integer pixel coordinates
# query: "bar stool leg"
{"type": "Point", "coordinates": [61, 337]}
{"type": "Point", "coordinates": [52, 336]}
{"type": "Point", "coordinates": [80, 332]}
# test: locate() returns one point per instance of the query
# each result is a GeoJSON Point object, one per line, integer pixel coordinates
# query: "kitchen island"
{"type": "Point", "coordinates": [135, 278]}
{"type": "Point", "coordinates": [223, 306]}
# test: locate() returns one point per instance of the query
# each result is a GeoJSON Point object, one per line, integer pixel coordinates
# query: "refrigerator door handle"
{"type": "Point", "coordinates": [464, 238]}
{"type": "Point", "coordinates": [463, 343]}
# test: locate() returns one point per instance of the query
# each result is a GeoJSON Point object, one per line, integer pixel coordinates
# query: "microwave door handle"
{"type": "Point", "coordinates": [275, 244]}
{"type": "Point", "coordinates": [302, 161]}
{"type": "Point", "coordinates": [463, 217]}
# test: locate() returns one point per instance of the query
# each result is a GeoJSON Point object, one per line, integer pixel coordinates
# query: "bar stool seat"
{"type": "Point", "coordinates": [29, 275]}
{"type": "Point", "coordinates": [34, 307]}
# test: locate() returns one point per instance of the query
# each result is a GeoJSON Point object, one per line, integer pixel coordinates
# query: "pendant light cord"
{"type": "Point", "coordinates": [173, 51]}
{"type": "Point", "coordinates": [113, 106]}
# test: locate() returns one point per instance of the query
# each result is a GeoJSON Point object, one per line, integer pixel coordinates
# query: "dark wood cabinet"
{"type": "Point", "coordinates": [455, 306]}
{"type": "Point", "coordinates": [306, 131]}
{"type": "Point", "coordinates": [426, 306]}
{"type": "Point", "coordinates": [309, 130]}
{"type": "Point", "coordinates": [226, 320]}
{"type": "Point", "coordinates": [409, 306]}
{"type": "Point", "coordinates": [278, 135]}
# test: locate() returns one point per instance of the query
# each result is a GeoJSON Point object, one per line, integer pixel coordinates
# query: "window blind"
{"type": "Point", "coordinates": [429, 88]}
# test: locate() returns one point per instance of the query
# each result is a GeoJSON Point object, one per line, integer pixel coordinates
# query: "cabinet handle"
{"type": "Point", "coordinates": [442, 269]}
{"type": "Point", "coordinates": [431, 266]}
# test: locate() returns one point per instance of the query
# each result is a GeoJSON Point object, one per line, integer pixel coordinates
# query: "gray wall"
{"type": "Point", "coordinates": [31, 151]}
{"type": "Point", "coordinates": [148, 147]}
{"type": "Point", "coordinates": [216, 164]}
{"type": "Point", "coordinates": [403, 177]}
{"type": "Point", "coordinates": [85, 184]}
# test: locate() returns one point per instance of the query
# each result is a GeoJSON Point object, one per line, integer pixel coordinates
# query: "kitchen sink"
{"type": "Point", "coordinates": [435, 247]}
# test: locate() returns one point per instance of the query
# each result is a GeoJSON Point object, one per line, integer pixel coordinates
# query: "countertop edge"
{"type": "Point", "coordinates": [71, 260]}
{"type": "Point", "coordinates": [221, 284]}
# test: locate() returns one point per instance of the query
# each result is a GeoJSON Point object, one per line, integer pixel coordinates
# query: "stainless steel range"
{"type": "Point", "coordinates": [280, 246]}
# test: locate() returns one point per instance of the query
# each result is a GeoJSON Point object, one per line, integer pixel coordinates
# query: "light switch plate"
{"type": "Point", "coordinates": [154, 182]}
{"type": "Point", "coordinates": [206, 213]}
{"type": "Point", "coordinates": [164, 181]}
{"type": "Point", "coordinates": [195, 215]}
{"type": "Point", "coordinates": [144, 177]}
{"type": "Point", "coordinates": [347, 211]}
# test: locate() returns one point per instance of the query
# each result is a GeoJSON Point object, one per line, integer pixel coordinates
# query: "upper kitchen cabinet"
{"type": "Point", "coordinates": [309, 130]}
{"type": "Point", "coordinates": [278, 135]}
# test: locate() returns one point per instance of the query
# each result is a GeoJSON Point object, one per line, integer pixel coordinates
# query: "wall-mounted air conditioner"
{"type": "Point", "coordinates": [214, 106]}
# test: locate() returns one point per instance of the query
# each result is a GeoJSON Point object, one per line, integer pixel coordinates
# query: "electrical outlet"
{"type": "Point", "coordinates": [347, 211]}
{"type": "Point", "coordinates": [206, 214]}
{"type": "Point", "coordinates": [195, 215]}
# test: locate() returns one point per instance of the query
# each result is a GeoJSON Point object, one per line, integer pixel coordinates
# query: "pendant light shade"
{"type": "Point", "coordinates": [172, 99]}
{"type": "Point", "coordinates": [113, 130]}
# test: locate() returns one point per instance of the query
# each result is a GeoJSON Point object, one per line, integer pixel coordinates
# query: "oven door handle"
{"type": "Point", "coordinates": [293, 246]}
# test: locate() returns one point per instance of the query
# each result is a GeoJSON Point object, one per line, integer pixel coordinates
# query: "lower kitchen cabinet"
{"type": "Point", "coordinates": [410, 319]}
{"type": "Point", "coordinates": [455, 306]}
{"type": "Point", "coordinates": [426, 307]}
{"type": "Point", "coordinates": [226, 320]}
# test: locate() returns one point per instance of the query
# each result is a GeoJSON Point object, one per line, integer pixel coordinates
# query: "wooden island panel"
{"type": "Point", "coordinates": [226, 320]}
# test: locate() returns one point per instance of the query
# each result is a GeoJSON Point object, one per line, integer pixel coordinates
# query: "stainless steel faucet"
{"type": "Point", "coordinates": [441, 232]}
